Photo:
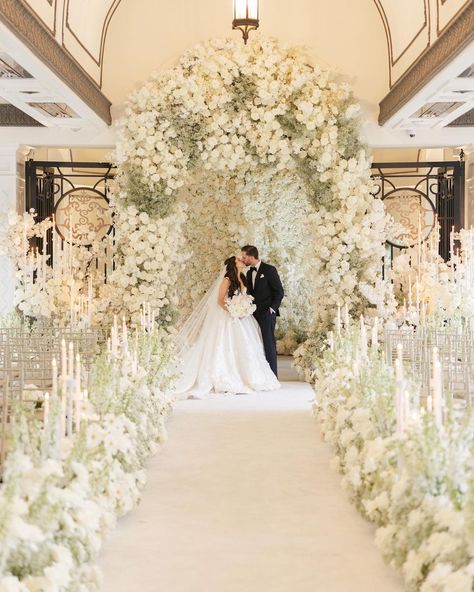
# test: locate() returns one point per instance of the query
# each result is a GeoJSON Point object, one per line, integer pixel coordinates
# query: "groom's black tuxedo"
{"type": "Point", "coordinates": [268, 294]}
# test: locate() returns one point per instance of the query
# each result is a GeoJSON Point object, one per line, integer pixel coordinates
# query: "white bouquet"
{"type": "Point", "coordinates": [240, 305]}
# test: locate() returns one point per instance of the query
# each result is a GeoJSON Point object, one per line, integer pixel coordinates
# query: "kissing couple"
{"type": "Point", "coordinates": [222, 354]}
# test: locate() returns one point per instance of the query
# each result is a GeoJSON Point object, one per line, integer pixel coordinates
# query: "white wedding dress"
{"type": "Point", "coordinates": [220, 354]}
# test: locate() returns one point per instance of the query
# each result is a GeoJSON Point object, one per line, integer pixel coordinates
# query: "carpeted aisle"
{"type": "Point", "coordinates": [241, 498]}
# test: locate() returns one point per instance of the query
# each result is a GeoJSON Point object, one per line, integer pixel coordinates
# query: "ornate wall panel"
{"type": "Point", "coordinates": [79, 26]}
{"type": "Point", "coordinates": [412, 26]}
{"type": "Point", "coordinates": [84, 31]}
{"type": "Point", "coordinates": [407, 28]}
{"type": "Point", "coordinates": [446, 11]}
{"type": "Point", "coordinates": [46, 10]}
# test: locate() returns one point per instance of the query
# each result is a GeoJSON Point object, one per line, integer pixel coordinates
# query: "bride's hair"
{"type": "Point", "coordinates": [233, 275]}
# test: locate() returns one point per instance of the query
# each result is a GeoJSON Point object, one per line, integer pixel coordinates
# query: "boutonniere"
{"type": "Point", "coordinates": [262, 275]}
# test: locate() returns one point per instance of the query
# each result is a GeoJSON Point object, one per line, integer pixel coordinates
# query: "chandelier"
{"type": "Point", "coordinates": [245, 17]}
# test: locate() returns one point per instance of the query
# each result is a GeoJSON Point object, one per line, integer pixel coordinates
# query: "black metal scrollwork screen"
{"type": "Point", "coordinates": [85, 185]}
{"type": "Point", "coordinates": [417, 192]}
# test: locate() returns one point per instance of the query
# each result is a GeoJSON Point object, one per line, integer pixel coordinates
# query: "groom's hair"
{"type": "Point", "coordinates": [251, 251]}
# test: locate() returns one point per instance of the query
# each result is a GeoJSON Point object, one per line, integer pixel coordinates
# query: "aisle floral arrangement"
{"type": "Point", "coordinates": [415, 484]}
{"type": "Point", "coordinates": [60, 497]}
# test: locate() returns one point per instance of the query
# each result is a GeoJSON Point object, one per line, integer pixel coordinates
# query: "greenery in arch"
{"type": "Point", "coordinates": [260, 134]}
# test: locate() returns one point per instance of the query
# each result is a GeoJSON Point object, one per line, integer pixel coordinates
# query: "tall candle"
{"type": "Point", "coordinates": [429, 403]}
{"type": "Point", "coordinates": [77, 412]}
{"type": "Point", "coordinates": [398, 396]}
{"type": "Point", "coordinates": [62, 419]}
{"type": "Point", "coordinates": [25, 246]}
{"type": "Point", "coordinates": [400, 353]}
{"type": "Point", "coordinates": [347, 320]}
{"type": "Point", "coordinates": [331, 340]}
{"type": "Point", "coordinates": [70, 411]}
{"type": "Point", "coordinates": [355, 368]}
{"type": "Point", "coordinates": [437, 393]}
{"type": "Point", "coordinates": [124, 334]}
{"type": "Point", "coordinates": [70, 246]}
{"type": "Point", "coordinates": [417, 290]}
{"type": "Point", "coordinates": [45, 241]}
{"type": "Point", "coordinates": [53, 254]}
{"type": "Point", "coordinates": [54, 365]}
{"type": "Point", "coordinates": [363, 338]}
{"type": "Point", "coordinates": [71, 301]}
{"type": "Point", "coordinates": [37, 266]}
{"type": "Point", "coordinates": [63, 367]}
{"type": "Point", "coordinates": [375, 335]}
{"type": "Point", "coordinates": [46, 408]}
{"type": "Point", "coordinates": [46, 428]}
{"type": "Point", "coordinates": [77, 376]}
{"type": "Point", "coordinates": [89, 301]}
{"type": "Point", "coordinates": [406, 408]}
{"type": "Point", "coordinates": [77, 395]}
{"type": "Point", "coordinates": [70, 369]}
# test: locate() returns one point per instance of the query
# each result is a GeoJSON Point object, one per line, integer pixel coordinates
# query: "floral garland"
{"type": "Point", "coordinates": [417, 488]}
{"type": "Point", "coordinates": [250, 116]}
{"type": "Point", "coordinates": [57, 508]}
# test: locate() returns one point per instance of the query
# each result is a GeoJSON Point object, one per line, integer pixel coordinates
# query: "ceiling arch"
{"type": "Point", "coordinates": [346, 36]}
{"type": "Point", "coordinates": [94, 50]}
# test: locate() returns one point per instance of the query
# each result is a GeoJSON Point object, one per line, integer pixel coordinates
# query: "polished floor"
{"type": "Point", "coordinates": [241, 498]}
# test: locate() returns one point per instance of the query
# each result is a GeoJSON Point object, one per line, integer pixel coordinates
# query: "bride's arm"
{"type": "Point", "coordinates": [224, 288]}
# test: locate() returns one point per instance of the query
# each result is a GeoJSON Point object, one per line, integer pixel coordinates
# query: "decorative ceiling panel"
{"type": "Point", "coordinates": [10, 68]}
{"type": "Point", "coordinates": [466, 120]}
{"type": "Point", "coordinates": [10, 116]}
{"type": "Point", "coordinates": [55, 110]}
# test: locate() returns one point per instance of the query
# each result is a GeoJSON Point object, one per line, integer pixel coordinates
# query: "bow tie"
{"type": "Point", "coordinates": [253, 269]}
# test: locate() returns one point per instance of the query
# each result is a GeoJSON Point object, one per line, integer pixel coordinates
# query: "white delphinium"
{"type": "Point", "coordinates": [415, 485]}
{"type": "Point", "coordinates": [56, 512]}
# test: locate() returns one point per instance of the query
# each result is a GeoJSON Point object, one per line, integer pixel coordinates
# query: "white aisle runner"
{"type": "Point", "coordinates": [241, 498]}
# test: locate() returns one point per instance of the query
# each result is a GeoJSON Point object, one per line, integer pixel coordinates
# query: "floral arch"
{"type": "Point", "coordinates": [242, 144]}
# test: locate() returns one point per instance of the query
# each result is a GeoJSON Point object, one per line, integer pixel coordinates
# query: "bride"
{"type": "Point", "coordinates": [222, 354]}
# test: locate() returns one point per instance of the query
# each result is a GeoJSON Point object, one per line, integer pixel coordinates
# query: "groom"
{"type": "Point", "coordinates": [263, 283]}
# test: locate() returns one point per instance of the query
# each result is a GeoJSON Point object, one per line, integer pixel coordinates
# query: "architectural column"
{"type": "Point", "coordinates": [469, 187]}
{"type": "Point", "coordinates": [12, 160]}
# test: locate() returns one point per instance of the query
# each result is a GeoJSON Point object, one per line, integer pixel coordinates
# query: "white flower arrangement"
{"type": "Point", "coordinates": [57, 508]}
{"type": "Point", "coordinates": [39, 292]}
{"type": "Point", "coordinates": [418, 487]}
{"type": "Point", "coordinates": [240, 305]}
{"type": "Point", "coordinates": [263, 147]}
